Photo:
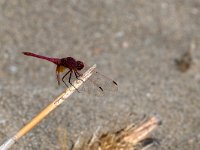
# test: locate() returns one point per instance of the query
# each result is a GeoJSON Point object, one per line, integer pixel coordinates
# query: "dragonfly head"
{"type": "Point", "coordinates": [80, 65]}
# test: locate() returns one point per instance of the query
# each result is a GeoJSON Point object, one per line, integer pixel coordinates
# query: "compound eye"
{"type": "Point", "coordinates": [80, 65]}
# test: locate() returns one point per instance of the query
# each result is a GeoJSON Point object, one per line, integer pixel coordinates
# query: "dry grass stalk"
{"type": "Point", "coordinates": [62, 138]}
{"type": "Point", "coordinates": [125, 139]}
{"type": "Point", "coordinates": [47, 110]}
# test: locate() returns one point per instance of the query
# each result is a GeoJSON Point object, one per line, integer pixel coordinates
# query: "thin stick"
{"type": "Point", "coordinates": [47, 110]}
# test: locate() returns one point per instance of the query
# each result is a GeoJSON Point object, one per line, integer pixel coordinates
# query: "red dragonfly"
{"type": "Point", "coordinates": [98, 83]}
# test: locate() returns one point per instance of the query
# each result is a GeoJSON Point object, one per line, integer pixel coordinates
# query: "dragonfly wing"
{"type": "Point", "coordinates": [99, 85]}
{"type": "Point", "coordinates": [89, 88]}
{"type": "Point", "coordinates": [103, 82]}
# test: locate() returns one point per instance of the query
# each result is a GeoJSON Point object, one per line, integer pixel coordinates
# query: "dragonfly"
{"type": "Point", "coordinates": [98, 83]}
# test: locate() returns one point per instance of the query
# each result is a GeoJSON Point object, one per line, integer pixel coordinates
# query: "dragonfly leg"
{"type": "Point", "coordinates": [77, 75]}
{"type": "Point", "coordinates": [58, 77]}
{"type": "Point", "coordinates": [70, 75]}
{"type": "Point", "coordinates": [64, 77]}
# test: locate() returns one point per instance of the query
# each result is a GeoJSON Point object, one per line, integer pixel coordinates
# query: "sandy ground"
{"type": "Point", "coordinates": [134, 42]}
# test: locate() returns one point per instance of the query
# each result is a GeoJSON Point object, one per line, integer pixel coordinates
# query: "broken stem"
{"type": "Point", "coordinates": [7, 144]}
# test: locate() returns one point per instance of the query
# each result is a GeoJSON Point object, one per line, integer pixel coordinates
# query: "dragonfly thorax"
{"type": "Point", "coordinates": [71, 63]}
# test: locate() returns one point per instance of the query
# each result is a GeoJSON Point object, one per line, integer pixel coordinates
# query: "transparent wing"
{"type": "Point", "coordinates": [98, 84]}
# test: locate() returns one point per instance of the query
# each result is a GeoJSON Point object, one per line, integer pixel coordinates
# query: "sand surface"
{"type": "Point", "coordinates": [133, 42]}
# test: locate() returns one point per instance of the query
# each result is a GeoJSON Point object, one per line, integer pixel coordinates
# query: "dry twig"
{"type": "Point", "coordinates": [125, 139]}
{"type": "Point", "coordinates": [47, 110]}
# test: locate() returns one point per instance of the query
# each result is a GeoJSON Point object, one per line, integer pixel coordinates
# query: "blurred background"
{"type": "Point", "coordinates": [134, 42]}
